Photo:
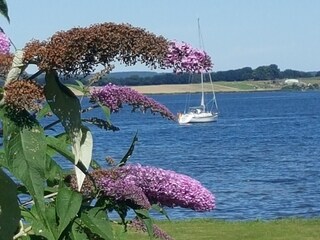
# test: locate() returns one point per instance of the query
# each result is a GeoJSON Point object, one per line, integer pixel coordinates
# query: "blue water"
{"type": "Point", "coordinates": [261, 159]}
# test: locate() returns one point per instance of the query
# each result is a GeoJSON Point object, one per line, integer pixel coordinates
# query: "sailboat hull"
{"type": "Point", "coordinates": [198, 117]}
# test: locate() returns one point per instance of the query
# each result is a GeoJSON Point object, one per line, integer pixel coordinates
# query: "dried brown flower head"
{"type": "Point", "coordinates": [81, 50]}
{"type": "Point", "coordinates": [5, 64]}
{"type": "Point", "coordinates": [23, 95]}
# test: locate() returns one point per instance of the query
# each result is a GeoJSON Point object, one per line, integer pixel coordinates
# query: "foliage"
{"type": "Point", "coordinates": [4, 9]}
{"type": "Point", "coordinates": [266, 72]}
{"type": "Point", "coordinates": [39, 198]}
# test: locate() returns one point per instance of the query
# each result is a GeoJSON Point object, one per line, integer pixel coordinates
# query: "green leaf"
{"type": "Point", "coordinates": [4, 9]}
{"type": "Point", "coordinates": [38, 225]}
{"type": "Point", "coordinates": [77, 233]}
{"type": "Point", "coordinates": [144, 216]}
{"type": "Point", "coordinates": [66, 106]}
{"type": "Point", "coordinates": [50, 214]}
{"type": "Point", "coordinates": [80, 84]}
{"type": "Point", "coordinates": [130, 151]}
{"type": "Point", "coordinates": [25, 150]}
{"type": "Point", "coordinates": [68, 205]}
{"type": "Point", "coordinates": [63, 103]}
{"type": "Point", "coordinates": [160, 210]}
{"type": "Point", "coordinates": [31, 216]}
{"type": "Point", "coordinates": [86, 146]}
{"type": "Point", "coordinates": [53, 170]}
{"type": "Point", "coordinates": [9, 207]}
{"type": "Point", "coordinates": [106, 111]}
{"type": "Point", "coordinates": [60, 145]}
{"type": "Point", "coordinates": [26, 158]}
{"type": "Point", "coordinates": [44, 111]}
{"type": "Point", "coordinates": [77, 90]}
{"type": "Point", "coordinates": [97, 221]}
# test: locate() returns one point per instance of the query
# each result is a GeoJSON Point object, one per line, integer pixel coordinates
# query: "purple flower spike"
{"type": "Point", "coordinates": [170, 188]}
{"type": "Point", "coordinates": [123, 190]}
{"type": "Point", "coordinates": [144, 185]}
{"type": "Point", "coordinates": [4, 44]}
{"type": "Point", "coordinates": [184, 58]}
{"type": "Point", "coordinates": [111, 184]}
{"type": "Point", "coordinates": [114, 97]}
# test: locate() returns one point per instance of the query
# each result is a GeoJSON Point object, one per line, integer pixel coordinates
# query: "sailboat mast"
{"type": "Point", "coordinates": [201, 47]}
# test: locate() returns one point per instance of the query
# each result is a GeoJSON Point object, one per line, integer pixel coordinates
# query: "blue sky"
{"type": "Point", "coordinates": [237, 33]}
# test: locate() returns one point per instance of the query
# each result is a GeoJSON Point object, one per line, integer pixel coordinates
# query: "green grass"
{"type": "Point", "coordinates": [250, 85]}
{"type": "Point", "coordinates": [202, 229]}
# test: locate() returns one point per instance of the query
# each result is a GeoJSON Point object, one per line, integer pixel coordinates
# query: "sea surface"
{"type": "Point", "coordinates": [261, 159]}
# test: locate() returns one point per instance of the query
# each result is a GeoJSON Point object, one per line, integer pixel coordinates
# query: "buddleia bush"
{"type": "Point", "coordinates": [39, 199]}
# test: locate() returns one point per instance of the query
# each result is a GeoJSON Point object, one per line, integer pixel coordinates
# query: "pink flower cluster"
{"type": "Point", "coordinates": [144, 185]}
{"type": "Point", "coordinates": [4, 43]}
{"type": "Point", "coordinates": [169, 188]}
{"type": "Point", "coordinates": [182, 57]}
{"type": "Point", "coordinates": [113, 97]}
{"type": "Point", "coordinates": [123, 190]}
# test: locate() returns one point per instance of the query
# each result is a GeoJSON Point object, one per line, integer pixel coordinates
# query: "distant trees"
{"type": "Point", "coordinates": [270, 72]}
{"type": "Point", "coordinates": [233, 75]}
{"type": "Point", "coordinates": [288, 73]}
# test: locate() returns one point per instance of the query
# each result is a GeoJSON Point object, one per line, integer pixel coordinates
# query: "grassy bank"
{"type": "Point", "coordinates": [287, 229]}
{"type": "Point", "coordinates": [218, 87]}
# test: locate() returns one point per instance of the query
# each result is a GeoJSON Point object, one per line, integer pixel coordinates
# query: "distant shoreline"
{"type": "Point", "coordinates": [191, 88]}
{"type": "Point", "coordinates": [222, 86]}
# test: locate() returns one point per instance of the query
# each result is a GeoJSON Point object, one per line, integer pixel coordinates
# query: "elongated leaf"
{"type": "Point", "coordinates": [63, 103]}
{"type": "Point", "coordinates": [160, 210]}
{"type": "Point", "coordinates": [4, 9]}
{"type": "Point", "coordinates": [144, 216]}
{"type": "Point", "coordinates": [9, 207]}
{"type": "Point", "coordinates": [68, 205]}
{"type": "Point", "coordinates": [51, 217]}
{"type": "Point", "coordinates": [97, 221]}
{"type": "Point", "coordinates": [105, 110]}
{"type": "Point", "coordinates": [77, 90]}
{"type": "Point", "coordinates": [130, 151]}
{"type": "Point", "coordinates": [53, 170]}
{"type": "Point", "coordinates": [44, 111]}
{"type": "Point", "coordinates": [77, 233]}
{"type": "Point", "coordinates": [31, 216]}
{"type": "Point", "coordinates": [26, 159]}
{"type": "Point", "coordinates": [80, 84]}
{"type": "Point", "coordinates": [38, 225]}
{"type": "Point", "coordinates": [66, 106]}
{"type": "Point", "coordinates": [86, 146]}
{"type": "Point", "coordinates": [61, 146]}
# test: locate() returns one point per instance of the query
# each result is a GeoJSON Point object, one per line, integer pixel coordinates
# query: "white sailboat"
{"type": "Point", "coordinates": [207, 111]}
